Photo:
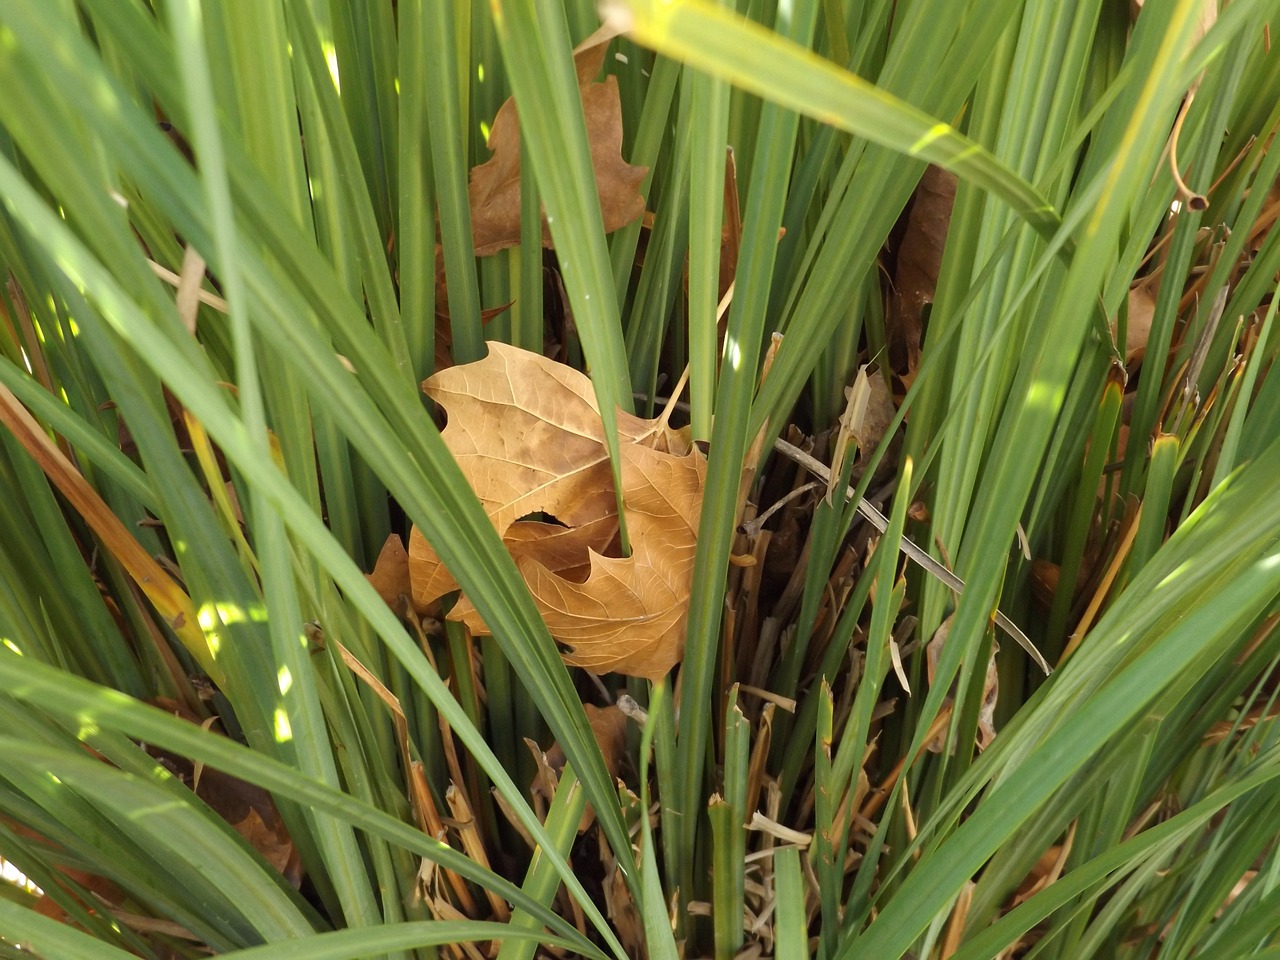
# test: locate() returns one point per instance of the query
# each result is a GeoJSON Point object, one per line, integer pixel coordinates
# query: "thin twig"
{"type": "Point", "coordinates": [922, 558]}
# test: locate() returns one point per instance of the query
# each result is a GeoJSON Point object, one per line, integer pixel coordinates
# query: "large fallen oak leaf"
{"type": "Point", "coordinates": [527, 435]}
{"type": "Point", "coordinates": [494, 188]}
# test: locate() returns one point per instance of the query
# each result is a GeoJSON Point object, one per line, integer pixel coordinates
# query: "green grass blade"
{"type": "Point", "coordinates": [31, 682]}
{"type": "Point", "coordinates": [653, 909]}
{"type": "Point", "coordinates": [447, 136]}
{"type": "Point", "coordinates": [738, 381]}
{"type": "Point", "coordinates": [49, 938]}
{"type": "Point", "coordinates": [792, 927]}
{"type": "Point", "coordinates": [357, 944]}
{"type": "Point", "coordinates": [1243, 583]}
{"type": "Point", "coordinates": [415, 240]}
{"type": "Point", "coordinates": [534, 37]}
{"type": "Point", "coordinates": [445, 509]}
{"type": "Point", "coordinates": [252, 894]}
{"type": "Point", "coordinates": [728, 816]}
{"type": "Point", "coordinates": [708, 102]}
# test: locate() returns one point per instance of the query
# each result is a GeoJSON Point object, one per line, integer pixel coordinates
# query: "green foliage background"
{"type": "Point", "coordinates": [313, 154]}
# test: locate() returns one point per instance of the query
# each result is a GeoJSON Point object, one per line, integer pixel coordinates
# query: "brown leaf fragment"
{"type": "Point", "coordinates": [273, 843]}
{"type": "Point", "coordinates": [1047, 869]}
{"type": "Point", "coordinates": [494, 188]}
{"type": "Point", "coordinates": [990, 690]}
{"type": "Point", "coordinates": [919, 261]}
{"type": "Point", "coordinates": [390, 575]}
{"type": "Point", "coordinates": [620, 908]}
{"type": "Point", "coordinates": [875, 415]}
{"type": "Point", "coordinates": [609, 727]}
{"type": "Point", "coordinates": [526, 432]}
{"type": "Point", "coordinates": [1142, 309]}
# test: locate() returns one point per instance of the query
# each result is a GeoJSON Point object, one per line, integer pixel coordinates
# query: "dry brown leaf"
{"type": "Point", "coordinates": [272, 842]}
{"type": "Point", "coordinates": [1142, 309]}
{"type": "Point", "coordinates": [527, 434]}
{"type": "Point", "coordinates": [629, 615]}
{"type": "Point", "coordinates": [874, 415]}
{"type": "Point", "coordinates": [390, 575]}
{"type": "Point", "coordinates": [620, 908]}
{"type": "Point", "coordinates": [919, 262]}
{"type": "Point", "coordinates": [609, 727]}
{"type": "Point", "coordinates": [444, 323]}
{"type": "Point", "coordinates": [495, 185]}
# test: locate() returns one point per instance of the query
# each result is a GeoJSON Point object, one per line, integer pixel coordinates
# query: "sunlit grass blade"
{"type": "Point", "coordinates": [726, 45]}
{"type": "Point", "coordinates": [332, 389]}
{"type": "Point", "coordinates": [253, 898]}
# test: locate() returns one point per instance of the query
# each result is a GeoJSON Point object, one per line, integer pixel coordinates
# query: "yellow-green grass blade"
{"type": "Point", "coordinates": [540, 882]}
{"type": "Point", "coordinates": [791, 928]}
